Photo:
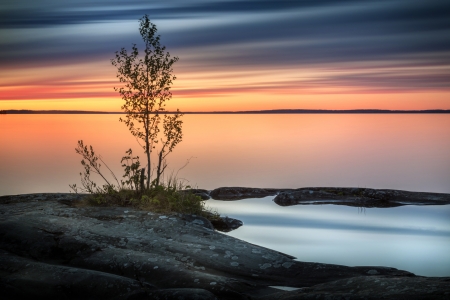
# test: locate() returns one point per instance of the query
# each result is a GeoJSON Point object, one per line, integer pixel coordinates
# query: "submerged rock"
{"type": "Point", "coordinates": [52, 248]}
{"type": "Point", "coordinates": [226, 224]}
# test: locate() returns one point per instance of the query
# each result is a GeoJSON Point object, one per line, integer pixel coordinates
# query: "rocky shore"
{"type": "Point", "coordinates": [52, 248]}
{"type": "Point", "coordinates": [360, 197]}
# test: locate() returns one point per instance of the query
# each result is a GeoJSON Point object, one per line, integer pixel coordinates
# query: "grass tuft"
{"type": "Point", "coordinates": [169, 197]}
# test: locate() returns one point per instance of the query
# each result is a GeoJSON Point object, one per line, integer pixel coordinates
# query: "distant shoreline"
{"type": "Point", "coordinates": [274, 111]}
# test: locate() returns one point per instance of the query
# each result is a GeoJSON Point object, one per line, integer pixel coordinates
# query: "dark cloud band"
{"type": "Point", "coordinates": [247, 34]}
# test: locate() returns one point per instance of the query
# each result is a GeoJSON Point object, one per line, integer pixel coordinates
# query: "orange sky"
{"type": "Point", "coordinates": [89, 86]}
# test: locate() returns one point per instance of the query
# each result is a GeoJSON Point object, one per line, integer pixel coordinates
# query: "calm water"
{"type": "Point", "coordinates": [409, 152]}
{"type": "Point", "coordinates": [412, 238]}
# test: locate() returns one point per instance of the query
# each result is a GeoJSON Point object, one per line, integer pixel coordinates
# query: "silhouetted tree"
{"type": "Point", "coordinates": [146, 89]}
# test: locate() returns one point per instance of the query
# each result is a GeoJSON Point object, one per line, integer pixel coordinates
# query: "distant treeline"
{"type": "Point", "coordinates": [327, 111]}
{"type": "Point", "coordinates": [274, 111]}
{"type": "Point", "coordinates": [28, 111]}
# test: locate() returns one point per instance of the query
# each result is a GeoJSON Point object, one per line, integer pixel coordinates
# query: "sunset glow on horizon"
{"type": "Point", "coordinates": [234, 55]}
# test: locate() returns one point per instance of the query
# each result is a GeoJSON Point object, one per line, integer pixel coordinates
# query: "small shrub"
{"type": "Point", "coordinates": [166, 197]}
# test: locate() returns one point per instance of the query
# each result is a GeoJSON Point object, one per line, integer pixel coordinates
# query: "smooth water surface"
{"type": "Point", "coordinates": [412, 238]}
{"type": "Point", "coordinates": [409, 152]}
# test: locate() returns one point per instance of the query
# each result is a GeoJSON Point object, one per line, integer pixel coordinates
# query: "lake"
{"type": "Point", "coordinates": [407, 152]}
{"type": "Point", "coordinates": [412, 238]}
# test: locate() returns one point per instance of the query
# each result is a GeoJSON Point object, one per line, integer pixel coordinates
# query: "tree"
{"type": "Point", "coordinates": [147, 81]}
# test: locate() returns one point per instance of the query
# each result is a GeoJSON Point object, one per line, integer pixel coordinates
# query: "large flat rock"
{"type": "Point", "coordinates": [52, 248]}
{"type": "Point", "coordinates": [360, 197]}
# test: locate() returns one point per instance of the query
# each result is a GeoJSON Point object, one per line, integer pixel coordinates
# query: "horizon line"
{"type": "Point", "coordinates": [267, 111]}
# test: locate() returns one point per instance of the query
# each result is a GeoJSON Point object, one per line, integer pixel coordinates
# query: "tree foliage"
{"type": "Point", "coordinates": [146, 81]}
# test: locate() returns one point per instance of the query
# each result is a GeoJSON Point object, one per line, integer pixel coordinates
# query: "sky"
{"type": "Point", "coordinates": [233, 55]}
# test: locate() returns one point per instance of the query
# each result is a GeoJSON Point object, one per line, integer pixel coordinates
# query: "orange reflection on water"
{"type": "Point", "coordinates": [381, 151]}
{"type": "Point", "coordinates": [294, 150]}
{"type": "Point", "coordinates": [37, 153]}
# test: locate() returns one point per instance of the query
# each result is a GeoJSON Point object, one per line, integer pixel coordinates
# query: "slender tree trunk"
{"type": "Point", "coordinates": [147, 144]}
{"type": "Point", "coordinates": [141, 179]}
{"type": "Point", "coordinates": [148, 170]}
{"type": "Point", "coordinates": [158, 171]}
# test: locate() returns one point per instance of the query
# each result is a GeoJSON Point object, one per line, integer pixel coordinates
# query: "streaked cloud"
{"type": "Point", "coordinates": [308, 46]}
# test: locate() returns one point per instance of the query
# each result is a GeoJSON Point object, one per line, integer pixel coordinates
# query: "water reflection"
{"type": "Point", "coordinates": [412, 238]}
{"type": "Point", "coordinates": [406, 152]}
